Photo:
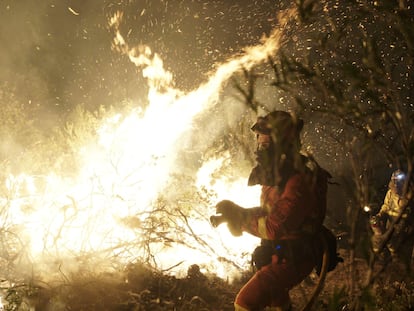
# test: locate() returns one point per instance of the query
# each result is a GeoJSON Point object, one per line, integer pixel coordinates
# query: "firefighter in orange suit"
{"type": "Point", "coordinates": [292, 210]}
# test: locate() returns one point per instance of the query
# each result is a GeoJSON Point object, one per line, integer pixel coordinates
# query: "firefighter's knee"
{"type": "Point", "coordinates": [237, 307]}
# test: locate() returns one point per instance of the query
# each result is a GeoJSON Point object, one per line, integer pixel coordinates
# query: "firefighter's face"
{"type": "Point", "coordinates": [397, 187]}
{"type": "Point", "coordinates": [263, 142]}
{"type": "Point", "coordinates": [264, 150]}
{"type": "Point", "coordinates": [262, 173]}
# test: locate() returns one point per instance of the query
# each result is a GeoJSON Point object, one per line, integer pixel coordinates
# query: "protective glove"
{"type": "Point", "coordinates": [377, 224]}
{"type": "Point", "coordinates": [234, 215]}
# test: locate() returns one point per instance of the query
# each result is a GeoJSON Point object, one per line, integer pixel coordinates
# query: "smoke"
{"type": "Point", "coordinates": [27, 60]}
{"type": "Point", "coordinates": [127, 169]}
{"type": "Point", "coordinates": [57, 54]}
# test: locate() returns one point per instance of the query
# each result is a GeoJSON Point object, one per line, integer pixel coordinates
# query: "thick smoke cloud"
{"type": "Point", "coordinates": [57, 54]}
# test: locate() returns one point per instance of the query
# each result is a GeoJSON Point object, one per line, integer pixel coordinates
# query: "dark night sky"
{"type": "Point", "coordinates": [57, 54]}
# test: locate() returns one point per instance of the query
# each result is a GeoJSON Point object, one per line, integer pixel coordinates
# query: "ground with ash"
{"type": "Point", "coordinates": [138, 288]}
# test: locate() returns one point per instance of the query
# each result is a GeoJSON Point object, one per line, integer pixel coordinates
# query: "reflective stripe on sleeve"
{"type": "Point", "coordinates": [261, 227]}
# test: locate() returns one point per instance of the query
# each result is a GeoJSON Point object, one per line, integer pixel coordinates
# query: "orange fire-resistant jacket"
{"type": "Point", "coordinates": [283, 215]}
{"type": "Point", "coordinates": [290, 213]}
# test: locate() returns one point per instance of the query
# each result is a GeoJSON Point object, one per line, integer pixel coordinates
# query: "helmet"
{"type": "Point", "coordinates": [278, 123]}
{"type": "Point", "coordinates": [398, 175]}
{"type": "Point", "coordinates": [397, 181]}
{"type": "Point", "coordinates": [276, 152]}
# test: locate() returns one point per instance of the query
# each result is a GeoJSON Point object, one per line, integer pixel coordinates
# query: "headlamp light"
{"type": "Point", "coordinates": [400, 176]}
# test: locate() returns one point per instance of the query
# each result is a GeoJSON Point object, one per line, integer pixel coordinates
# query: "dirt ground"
{"type": "Point", "coordinates": [138, 288]}
{"type": "Point", "coordinates": [392, 288]}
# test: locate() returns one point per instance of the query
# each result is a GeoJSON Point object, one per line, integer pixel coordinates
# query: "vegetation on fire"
{"type": "Point", "coordinates": [346, 69]}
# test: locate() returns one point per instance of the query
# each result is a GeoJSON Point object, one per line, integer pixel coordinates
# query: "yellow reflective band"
{"type": "Point", "coordinates": [239, 308]}
{"type": "Point", "coordinates": [394, 213]}
{"type": "Point", "coordinates": [261, 227]}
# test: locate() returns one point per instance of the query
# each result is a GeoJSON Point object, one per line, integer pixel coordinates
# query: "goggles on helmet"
{"type": "Point", "coordinates": [398, 176]}
{"type": "Point", "coordinates": [263, 141]}
{"type": "Point", "coordinates": [261, 126]}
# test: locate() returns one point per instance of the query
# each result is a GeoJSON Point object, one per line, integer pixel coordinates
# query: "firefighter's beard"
{"type": "Point", "coordinates": [262, 173]}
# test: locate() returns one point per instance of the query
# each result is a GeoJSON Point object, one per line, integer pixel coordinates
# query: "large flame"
{"type": "Point", "coordinates": [123, 172]}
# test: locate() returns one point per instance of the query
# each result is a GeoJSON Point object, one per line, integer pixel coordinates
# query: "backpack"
{"type": "Point", "coordinates": [326, 236]}
{"type": "Point", "coordinates": [323, 235]}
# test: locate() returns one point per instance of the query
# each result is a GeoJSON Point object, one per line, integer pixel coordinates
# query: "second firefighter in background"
{"type": "Point", "coordinates": [401, 243]}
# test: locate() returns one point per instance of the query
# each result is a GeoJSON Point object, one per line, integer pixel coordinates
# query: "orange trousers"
{"type": "Point", "coordinates": [269, 287]}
